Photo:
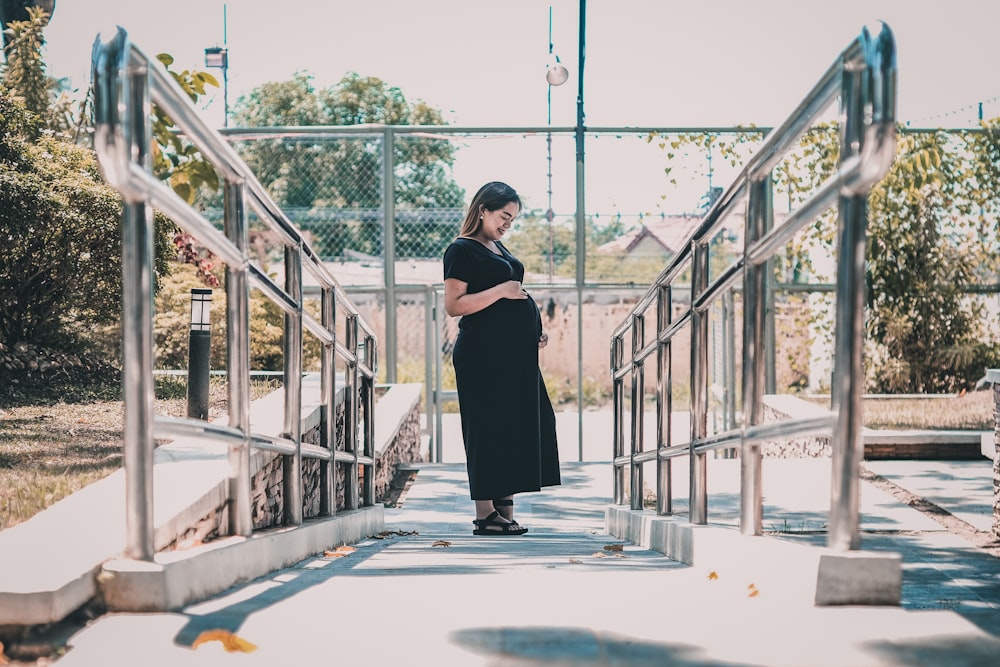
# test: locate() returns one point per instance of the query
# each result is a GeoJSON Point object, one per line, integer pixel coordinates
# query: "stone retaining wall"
{"type": "Point", "coordinates": [781, 407]}
{"type": "Point", "coordinates": [267, 476]}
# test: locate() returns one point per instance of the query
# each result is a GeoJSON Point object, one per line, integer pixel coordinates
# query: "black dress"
{"type": "Point", "coordinates": [508, 424]}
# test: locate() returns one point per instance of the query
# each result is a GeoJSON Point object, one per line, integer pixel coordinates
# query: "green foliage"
{"type": "Point", "coordinates": [175, 161]}
{"type": "Point", "coordinates": [933, 232]}
{"type": "Point", "coordinates": [337, 183]}
{"type": "Point", "coordinates": [25, 76]}
{"type": "Point", "coordinates": [172, 325]}
{"type": "Point", "coordinates": [928, 337]}
{"type": "Point", "coordinates": [62, 229]}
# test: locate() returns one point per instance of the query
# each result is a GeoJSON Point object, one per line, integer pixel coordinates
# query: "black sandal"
{"type": "Point", "coordinates": [492, 525]}
{"type": "Point", "coordinates": [507, 502]}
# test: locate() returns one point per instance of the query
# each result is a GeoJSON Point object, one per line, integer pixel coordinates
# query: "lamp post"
{"type": "Point", "coordinates": [556, 74]}
{"type": "Point", "coordinates": [199, 353]}
{"type": "Point", "coordinates": [218, 56]}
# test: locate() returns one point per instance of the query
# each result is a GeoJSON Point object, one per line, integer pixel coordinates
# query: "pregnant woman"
{"type": "Point", "coordinates": [507, 420]}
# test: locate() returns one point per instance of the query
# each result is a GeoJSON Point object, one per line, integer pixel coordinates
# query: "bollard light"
{"type": "Point", "coordinates": [199, 353]}
{"type": "Point", "coordinates": [201, 309]}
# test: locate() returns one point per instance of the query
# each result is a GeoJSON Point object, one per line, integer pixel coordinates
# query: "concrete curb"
{"type": "Point", "coordinates": [177, 578]}
{"type": "Point", "coordinates": [811, 575]}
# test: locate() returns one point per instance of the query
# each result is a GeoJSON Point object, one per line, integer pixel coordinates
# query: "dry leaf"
{"type": "Point", "coordinates": [621, 556]}
{"type": "Point", "coordinates": [340, 552]}
{"type": "Point", "coordinates": [752, 591]}
{"type": "Point", "coordinates": [600, 554]}
{"type": "Point", "coordinates": [441, 543]}
{"type": "Point", "coordinates": [614, 547]}
{"type": "Point", "coordinates": [713, 575]}
{"type": "Point", "coordinates": [575, 560]}
{"type": "Point", "coordinates": [230, 641]}
{"type": "Point", "coordinates": [390, 533]}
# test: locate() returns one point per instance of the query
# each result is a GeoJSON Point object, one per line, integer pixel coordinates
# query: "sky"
{"type": "Point", "coordinates": [648, 62]}
{"type": "Point", "coordinates": [662, 63]}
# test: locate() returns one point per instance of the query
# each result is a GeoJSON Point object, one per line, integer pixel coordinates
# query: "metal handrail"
{"type": "Point", "coordinates": [126, 82]}
{"type": "Point", "coordinates": [863, 77]}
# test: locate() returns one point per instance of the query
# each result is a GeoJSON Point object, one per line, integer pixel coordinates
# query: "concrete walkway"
{"type": "Point", "coordinates": [430, 593]}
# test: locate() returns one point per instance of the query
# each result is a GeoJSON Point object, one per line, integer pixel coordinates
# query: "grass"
{"type": "Point", "coordinates": [49, 451]}
{"type": "Point", "coordinates": [972, 411]}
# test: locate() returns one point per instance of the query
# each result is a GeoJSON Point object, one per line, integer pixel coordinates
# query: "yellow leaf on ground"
{"type": "Point", "coordinates": [752, 591]}
{"type": "Point", "coordinates": [614, 547]}
{"type": "Point", "coordinates": [340, 552]}
{"type": "Point", "coordinates": [230, 641]}
{"type": "Point", "coordinates": [575, 560]}
{"type": "Point", "coordinates": [713, 575]}
{"type": "Point", "coordinates": [441, 543]}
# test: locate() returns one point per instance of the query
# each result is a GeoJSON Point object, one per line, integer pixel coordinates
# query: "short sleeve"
{"type": "Point", "coordinates": [458, 263]}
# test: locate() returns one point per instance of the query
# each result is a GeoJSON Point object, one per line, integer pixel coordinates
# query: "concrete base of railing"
{"type": "Point", "coordinates": [176, 578]}
{"type": "Point", "coordinates": [800, 573]}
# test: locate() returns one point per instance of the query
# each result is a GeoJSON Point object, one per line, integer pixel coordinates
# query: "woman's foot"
{"type": "Point", "coordinates": [494, 524]}
{"type": "Point", "coordinates": [505, 506]}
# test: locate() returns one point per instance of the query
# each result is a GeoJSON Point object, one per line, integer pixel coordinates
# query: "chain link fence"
{"type": "Point", "coordinates": [644, 191]}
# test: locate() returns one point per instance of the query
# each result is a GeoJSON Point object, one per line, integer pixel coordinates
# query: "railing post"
{"type": "Point", "coordinates": [754, 358]}
{"type": "Point", "coordinates": [664, 401]}
{"type": "Point", "coordinates": [369, 426]}
{"type": "Point", "coordinates": [137, 326]}
{"type": "Point", "coordinates": [328, 418]}
{"type": "Point", "coordinates": [351, 412]}
{"type": "Point", "coordinates": [238, 361]}
{"type": "Point", "coordinates": [292, 465]}
{"type": "Point", "coordinates": [699, 381]}
{"type": "Point", "coordinates": [429, 347]}
{"type": "Point", "coordinates": [848, 374]}
{"type": "Point", "coordinates": [618, 417]}
{"type": "Point", "coordinates": [638, 378]}
{"type": "Point", "coordinates": [438, 380]}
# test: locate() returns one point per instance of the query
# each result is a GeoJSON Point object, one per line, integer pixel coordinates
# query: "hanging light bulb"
{"type": "Point", "coordinates": [555, 72]}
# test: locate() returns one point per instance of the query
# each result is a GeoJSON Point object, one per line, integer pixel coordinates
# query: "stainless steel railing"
{"type": "Point", "coordinates": [863, 78]}
{"type": "Point", "coordinates": [126, 82]}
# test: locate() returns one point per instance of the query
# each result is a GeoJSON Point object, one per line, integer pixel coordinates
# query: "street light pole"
{"type": "Point", "coordinates": [556, 74]}
{"type": "Point", "coordinates": [218, 56]}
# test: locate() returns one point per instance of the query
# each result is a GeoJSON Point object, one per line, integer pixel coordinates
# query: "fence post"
{"type": "Point", "coordinates": [664, 401]}
{"type": "Point", "coordinates": [699, 385]}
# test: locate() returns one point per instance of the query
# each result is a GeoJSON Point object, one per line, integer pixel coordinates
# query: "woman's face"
{"type": "Point", "coordinates": [497, 223]}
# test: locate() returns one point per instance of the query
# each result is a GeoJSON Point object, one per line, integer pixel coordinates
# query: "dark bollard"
{"type": "Point", "coordinates": [199, 351]}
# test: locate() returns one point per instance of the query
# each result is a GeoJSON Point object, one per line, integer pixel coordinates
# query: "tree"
{"type": "Point", "coordinates": [60, 270]}
{"type": "Point", "coordinates": [17, 10]}
{"type": "Point", "coordinates": [25, 76]}
{"type": "Point", "coordinates": [332, 187]}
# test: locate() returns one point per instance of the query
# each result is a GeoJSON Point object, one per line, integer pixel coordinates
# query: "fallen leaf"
{"type": "Point", "coordinates": [391, 533]}
{"type": "Point", "coordinates": [230, 641]}
{"type": "Point", "coordinates": [600, 554]}
{"type": "Point", "coordinates": [441, 543]}
{"type": "Point", "coordinates": [340, 552]}
{"type": "Point", "coordinates": [575, 560]}
{"type": "Point", "coordinates": [614, 547]}
{"type": "Point", "coordinates": [621, 556]}
{"type": "Point", "coordinates": [713, 575]}
{"type": "Point", "coordinates": [752, 591]}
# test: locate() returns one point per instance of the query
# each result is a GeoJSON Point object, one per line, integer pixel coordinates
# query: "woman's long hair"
{"type": "Point", "coordinates": [492, 196]}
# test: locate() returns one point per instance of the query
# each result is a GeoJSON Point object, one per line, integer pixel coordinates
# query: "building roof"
{"type": "Point", "coordinates": [670, 232]}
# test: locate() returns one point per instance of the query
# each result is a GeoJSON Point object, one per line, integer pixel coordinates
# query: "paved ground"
{"type": "Point", "coordinates": [430, 593]}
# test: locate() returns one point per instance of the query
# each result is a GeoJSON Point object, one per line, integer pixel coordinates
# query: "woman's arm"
{"type": "Point", "coordinates": [458, 302]}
